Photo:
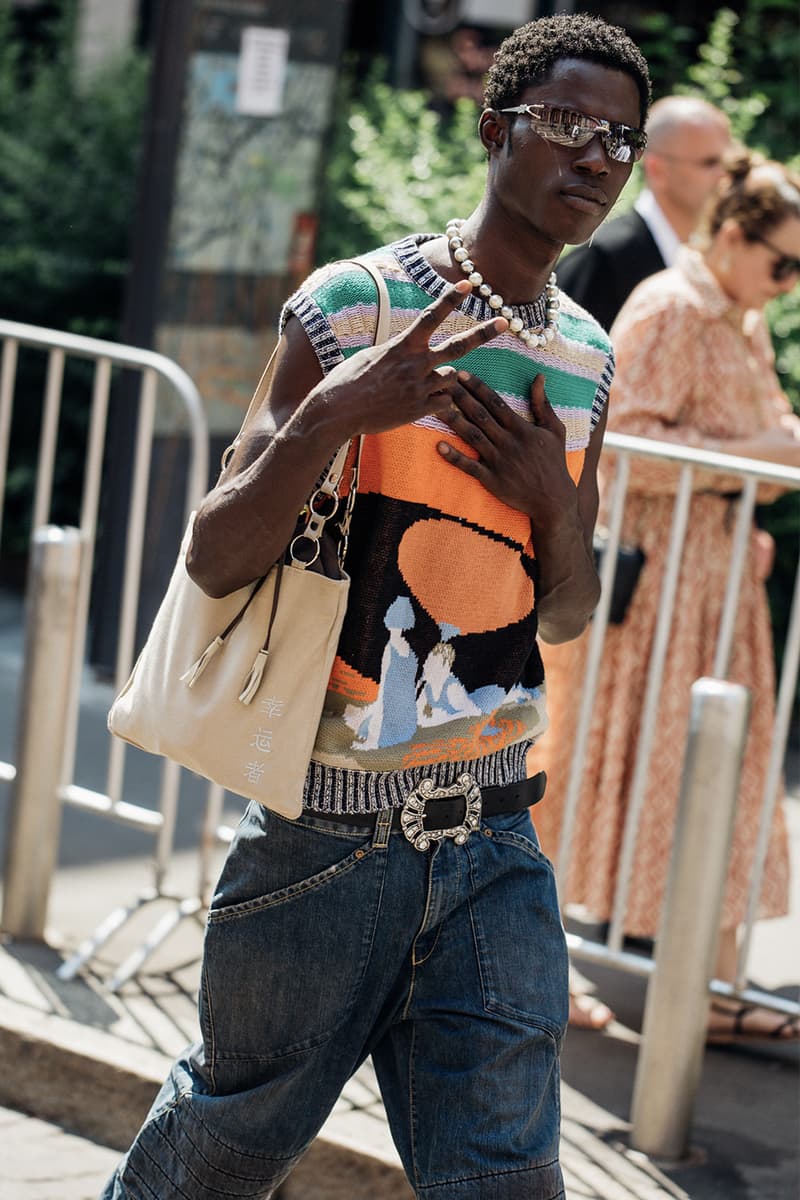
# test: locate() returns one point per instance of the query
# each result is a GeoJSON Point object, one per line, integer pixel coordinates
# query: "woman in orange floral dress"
{"type": "Point", "coordinates": [694, 366]}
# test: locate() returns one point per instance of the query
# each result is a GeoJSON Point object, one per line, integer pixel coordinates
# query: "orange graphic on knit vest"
{"type": "Point", "coordinates": [462, 578]}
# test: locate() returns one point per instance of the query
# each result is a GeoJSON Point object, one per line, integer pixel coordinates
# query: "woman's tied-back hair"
{"type": "Point", "coordinates": [528, 55]}
{"type": "Point", "coordinates": [755, 192]}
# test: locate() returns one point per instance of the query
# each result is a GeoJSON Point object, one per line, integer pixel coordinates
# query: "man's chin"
{"type": "Point", "coordinates": [578, 234]}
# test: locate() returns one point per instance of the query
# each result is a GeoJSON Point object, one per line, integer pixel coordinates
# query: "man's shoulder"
{"type": "Point", "coordinates": [579, 325]}
{"type": "Point", "coordinates": [347, 270]}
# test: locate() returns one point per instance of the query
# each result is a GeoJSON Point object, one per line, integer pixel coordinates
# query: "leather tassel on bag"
{"type": "Point", "coordinates": [253, 681]}
{"type": "Point", "coordinates": [191, 676]}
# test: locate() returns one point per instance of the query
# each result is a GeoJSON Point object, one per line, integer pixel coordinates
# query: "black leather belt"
{"type": "Point", "coordinates": [440, 813]}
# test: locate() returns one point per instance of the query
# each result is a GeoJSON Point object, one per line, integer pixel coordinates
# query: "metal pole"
{"type": "Point", "coordinates": [648, 725]}
{"type": "Point", "coordinates": [787, 690]}
{"type": "Point", "coordinates": [676, 1013]}
{"type": "Point", "coordinates": [591, 673]}
{"type": "Point", "coordinates": [35, 813]}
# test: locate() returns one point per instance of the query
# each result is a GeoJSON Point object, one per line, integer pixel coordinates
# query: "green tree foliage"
{"type": "Point", "coordinates": [668, 48]}
{"type": "Point", "coordinates": [395, 166]}
{"type": "Point", "coordinates": [68, 154]}
{"type": "Point", "coordinates": [716, 77]}
{"type": "Point", "coordinates": [68, 151]}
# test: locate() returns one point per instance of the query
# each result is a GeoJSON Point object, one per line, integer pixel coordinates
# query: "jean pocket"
{"type": "Point", "coordinates": [286, 945]}
{"type": "Point", "coordinates": [519, 938]}
{"type": "Point", "coordinates": [234, 910]}
{"type": "Point", "coordinates": [517, 830]}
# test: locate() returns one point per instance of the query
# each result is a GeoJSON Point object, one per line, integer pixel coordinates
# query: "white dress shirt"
{"type": "Point", "coordinates": [664, 235]}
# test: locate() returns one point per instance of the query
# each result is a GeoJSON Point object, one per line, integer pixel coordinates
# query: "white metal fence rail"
{"type": "Point", "coordinates": [151, 369]}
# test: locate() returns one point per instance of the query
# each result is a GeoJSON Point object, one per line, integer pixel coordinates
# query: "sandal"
{"type": "Point", "coordinates": [585, 1012]}
{"type": "Point", "coordinates": [785, 1029]}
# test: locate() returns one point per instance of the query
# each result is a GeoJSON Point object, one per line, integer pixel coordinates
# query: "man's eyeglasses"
{"type": "Point", "coordinates": [784, 266]}
{"type": "Point", "coordinates": [622, 143]}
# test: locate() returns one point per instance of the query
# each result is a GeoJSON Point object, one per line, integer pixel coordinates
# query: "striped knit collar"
{"type": "Point", "coordinates": [417, 267]}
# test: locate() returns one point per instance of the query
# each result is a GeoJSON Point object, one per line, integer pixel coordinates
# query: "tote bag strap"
{"type": "Point", "coordinates": [330, 481]}
{"type": "Point", "coordinates": [381, 334]}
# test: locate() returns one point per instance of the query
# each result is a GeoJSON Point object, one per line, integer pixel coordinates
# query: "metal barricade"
{"type": "Point", "coordinates": [153, 369]}
{"type": "Point", "coordinates": [687, 461]}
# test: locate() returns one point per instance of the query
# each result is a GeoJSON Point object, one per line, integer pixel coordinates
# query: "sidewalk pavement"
{"type": "Point", "coordinates": [85, 1062]}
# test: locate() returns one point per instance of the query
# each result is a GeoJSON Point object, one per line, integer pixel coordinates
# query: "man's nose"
{"type": "Point", "coordinates": [593, 157]}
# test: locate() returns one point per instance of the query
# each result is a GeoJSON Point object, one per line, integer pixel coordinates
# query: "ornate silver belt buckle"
{"type": "Point", "coordinates": [412, 814]}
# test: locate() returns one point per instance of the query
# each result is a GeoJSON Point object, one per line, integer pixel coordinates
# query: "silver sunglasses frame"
{"type": "Point", "coordinates": [602, 128]}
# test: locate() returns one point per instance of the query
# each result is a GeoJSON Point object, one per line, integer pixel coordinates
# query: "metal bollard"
{"type": "Point", "coordinates": [35, 811]}
{"type": "Point", "coordinates": [673, 1038]}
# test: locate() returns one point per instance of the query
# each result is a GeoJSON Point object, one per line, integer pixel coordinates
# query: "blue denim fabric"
{"type": "Point", "coordinates": [326, 944]}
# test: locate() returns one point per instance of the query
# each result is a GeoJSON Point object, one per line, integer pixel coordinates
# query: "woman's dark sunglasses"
{"type": "Point", "coordinates": [784, 265]}
{"type": "Point", "coordinates": [622, 143]}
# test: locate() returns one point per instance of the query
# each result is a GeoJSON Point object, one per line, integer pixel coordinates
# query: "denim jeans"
{"type": "Point", "coordinates": [326, 944]}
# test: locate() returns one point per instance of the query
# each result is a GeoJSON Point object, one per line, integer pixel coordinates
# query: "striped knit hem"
{"type": "Point", "coordinates": [339, 790]}
{"type": "Point", "coordinates": [604, 387]}
{"type": "Point", "coordinates": [315, 323]}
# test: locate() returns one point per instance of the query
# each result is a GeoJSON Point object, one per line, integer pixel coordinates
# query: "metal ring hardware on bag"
{"type": "Point", "coordinates": [322, 505]}
{"type": "Point", "coordinates": [412, 814]}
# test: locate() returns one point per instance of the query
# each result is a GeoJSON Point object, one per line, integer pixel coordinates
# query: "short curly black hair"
{"type": "Point", "coordinates": [528, 55]}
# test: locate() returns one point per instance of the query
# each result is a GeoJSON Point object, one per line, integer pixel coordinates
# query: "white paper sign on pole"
{"type": "Point", "coordinates": [498, 12]}
{"type": "Point", "coordinates": [262, 71]}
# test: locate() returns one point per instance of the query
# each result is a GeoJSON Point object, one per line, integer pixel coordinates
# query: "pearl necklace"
{"type": "Point", "coordinates": [536, 339]}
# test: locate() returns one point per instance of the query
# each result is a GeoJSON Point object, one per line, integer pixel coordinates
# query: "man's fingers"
{"type": "Point", "coordinates": [421, 329]}
{"type": "Point", "coordinates": [542, 410]}
{"type": "Point", "coordinates": [445, 379]}
{"type": "Point", "coordinates": [473, 422]}
{"type": "Point", "coordinates": [461, 343]}
{"type": "Point", "coordinates": [470, 466]}
{"type": "Point", "coordinates": [539, 401]}
{"type": "Point", "coordinates": [487, 397]}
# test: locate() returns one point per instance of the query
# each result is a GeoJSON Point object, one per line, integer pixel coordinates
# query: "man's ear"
{"type": "Point", "coordinates": [655, 169]}
{"type": "Point", "coordinates": [492, 130]}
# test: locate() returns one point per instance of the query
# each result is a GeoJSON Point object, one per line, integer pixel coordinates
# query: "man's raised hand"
{"type": "Point", "coordinates": [405, 378]}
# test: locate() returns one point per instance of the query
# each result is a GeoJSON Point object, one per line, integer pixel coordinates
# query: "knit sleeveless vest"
{"type": "Point", "coordinates": [438, 661]}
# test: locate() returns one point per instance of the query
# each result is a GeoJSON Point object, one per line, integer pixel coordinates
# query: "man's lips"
{"type": "Point", "coordinates": [587, 199]}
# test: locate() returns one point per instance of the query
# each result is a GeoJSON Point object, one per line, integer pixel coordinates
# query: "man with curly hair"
{"type": "Point", "coordinates": [408, 913]}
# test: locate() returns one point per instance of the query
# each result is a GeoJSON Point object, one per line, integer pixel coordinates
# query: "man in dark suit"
{"type": "Point", "coordinates": [687, 139]}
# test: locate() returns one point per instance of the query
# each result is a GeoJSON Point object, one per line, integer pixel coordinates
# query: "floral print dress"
{"type": "Point", "coordinates": [690, 367]}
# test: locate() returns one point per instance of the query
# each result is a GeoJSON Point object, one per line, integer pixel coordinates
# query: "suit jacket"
{"type": "Point", "coordinates": [601, 275]}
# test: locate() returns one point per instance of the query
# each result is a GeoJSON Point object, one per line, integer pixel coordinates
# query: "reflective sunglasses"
{"type": "Point", "coordinates": [622, 143]}
{"type": "Point", "coordinates": [784, 265]}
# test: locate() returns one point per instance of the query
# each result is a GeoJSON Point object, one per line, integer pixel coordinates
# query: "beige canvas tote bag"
{"type": "Point", "coordinates": [233, 688]}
